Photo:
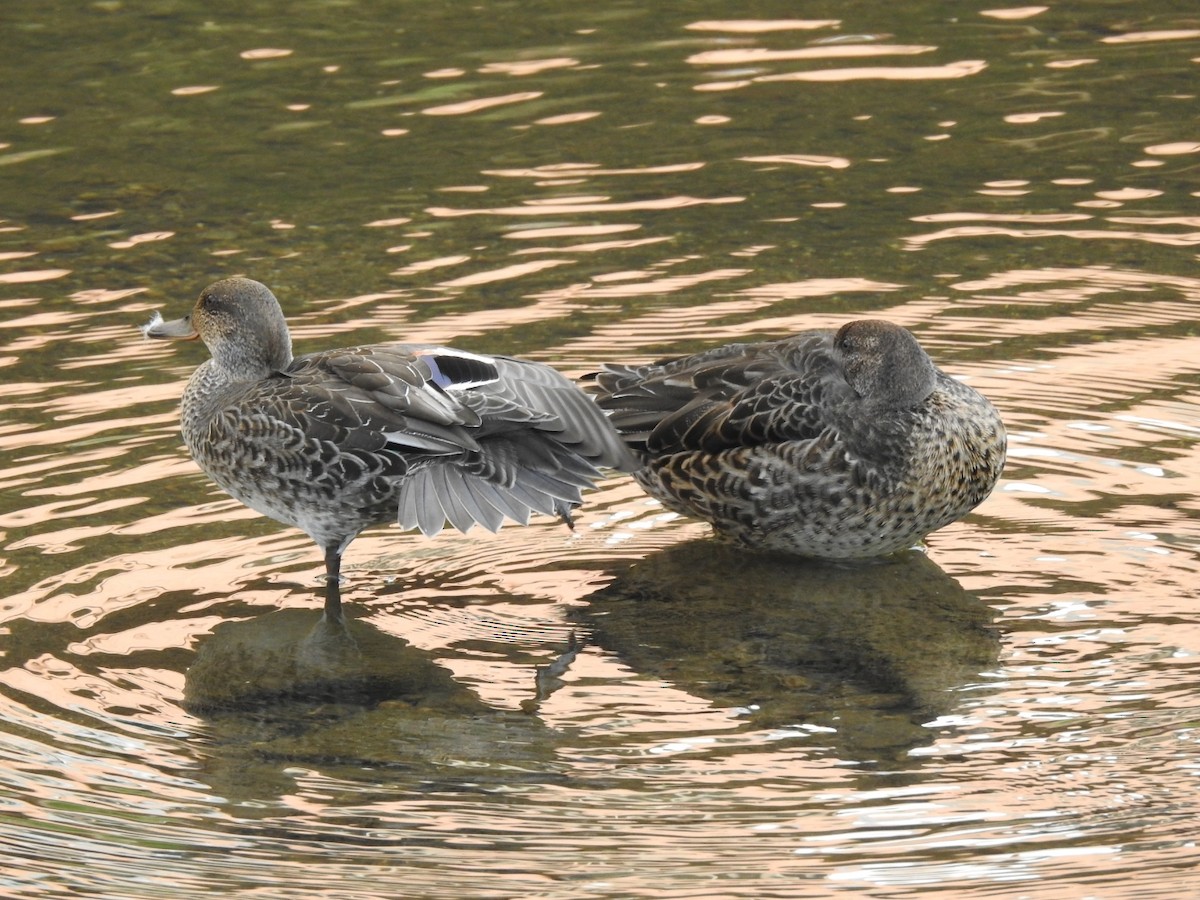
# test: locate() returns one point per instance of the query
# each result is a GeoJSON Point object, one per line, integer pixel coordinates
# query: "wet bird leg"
{"type": "Point", "coordinates": [333, 585]}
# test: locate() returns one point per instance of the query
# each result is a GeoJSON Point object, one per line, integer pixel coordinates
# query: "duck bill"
{"type": "Point", "coordinates": [175, 330]}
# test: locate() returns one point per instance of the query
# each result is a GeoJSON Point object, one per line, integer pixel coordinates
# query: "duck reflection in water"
{"type": "Point", "coordinates": [337, 441]}
{"type": "Point", "coordinates": [866, 652]}
{"type": "Point", "coordinates": [295, 687]}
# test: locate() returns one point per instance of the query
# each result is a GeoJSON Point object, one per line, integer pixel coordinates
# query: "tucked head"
{"type": "Point", "coordinates": [242, 325]}
{"type": "Point", "coordinates": [884, 363]}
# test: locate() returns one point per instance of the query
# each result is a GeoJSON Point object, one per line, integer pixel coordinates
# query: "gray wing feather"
{"type": "Point", "coordinates": [572, 416]}
{"type": "Point", "coordinates": [491, 495]}
{"type": "Point", "coordinates": [486, 514]}
{"type": "Point", "coordinates": [445, 486]}
{"type": "Point", "coordinates": [433, 496]}
{"type": "Point", "coordinates": [459, 438]}
{"type": "Point", "coordinates": [736, 396]}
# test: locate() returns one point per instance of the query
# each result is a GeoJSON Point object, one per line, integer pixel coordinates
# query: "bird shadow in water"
{"type": "Point", "coordinates": [296, 688]}
{"type": "Point", "coordinates": [862, 654]}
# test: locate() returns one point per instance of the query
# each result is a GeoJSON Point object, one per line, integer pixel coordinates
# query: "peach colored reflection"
{"type": "Point", "coordinates": [755, 55]}
{"type": "Point", "coordinates": [104, 779]}
{"type": "Point", "coordinates": [99, 478]}
{"type": "Point", "coordinates": [817, 287]}
{"type": "Point", "coordinates": [1014, 13]}
{"type": "Point", "coordinates": [1029, 218]}
{"type": "Point", "coordinates": [12, 159]}
{"type": "Point", "coordinates": [39, 330]}
{"type": "Point", "coordinates": [1073, 420]}
{"type": "Point", "coordinates": [628, 341]}
{"type": "Point", "coordinates": [556, 170]}
{"type": "Point", "coordinates": [1130, 194]}
{"type": "Point", "coordinates": [1003, 828]}
{"type": "Point", "coordinates": [1187, 221]}
{"type": "Point", "coordinates": [211, 568]}
{"type": "Point", "coordinates": [136, 239]}
{"type": "Point", "coordinates": [1096, 375]}
{"type": "Point", "coordinates": [105, 295]}
{"type": "Point", "coordinates": [756, 26]}
{"type": "Point", "coordinates": [1090, 276]}
{"type": "Point", "coordinates": [569, 231]}
{"type": "Point", "coordinates": [1077, 284]}
{"type": "Point", "coordinates": [467, 107]}
{"type": "Point", "coordinates": [569, 206]}
{"type": "Point", "coordinates": [1070, 63]}
{"type": "Point", "coordinates": [429, 265]}
{"type": "Point", "coordinates": [667, 284]}
{"type": "Point", "coordinates": [567, 118]}
{"type": "Point", "coordinates": [265, 53]}
{"type": "Point", "coordinates": [1142, 37]}
{"type": "Point", "coordinates": [651, 709]}
{"type": "Point", "coordinates": [81, 432]}
{"type": "Point", "coordinates": [73, 405]}
{"type": "Point", "coordinates": [960, 69]}
{"type": "Point", "coordinates": [505, 273]}
{"type": "Point", "coordinates": [65, 540]}
{"type": "Point", "coordinates": [829, 162]}
{"type": "Point", "coordinates": [1175, 149]}
{"type": "Point", "coordinates": [448, 328]}
{"type": "Point", "coordinates": [1030, 118]}
{"type": "Point", "coordinates": [919, 242]}
{"type": "Point", "coordinates": [528, 66]}
{"type": "Point", "coordinates": [596, 246]}
{"type": "Point", "coordinates": [28, 277]}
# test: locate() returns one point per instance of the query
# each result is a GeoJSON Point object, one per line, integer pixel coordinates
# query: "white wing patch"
{"type": "Point", "coordinates": [442, 380]}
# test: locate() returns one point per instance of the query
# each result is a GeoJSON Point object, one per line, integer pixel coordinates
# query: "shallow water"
{"type": "Point", "coordinates": [1011, 713]}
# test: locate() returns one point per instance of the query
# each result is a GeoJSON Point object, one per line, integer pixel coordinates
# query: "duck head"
{"type": "Point", "coordinates": [884, 364]}
{"type": "Point", "coordinates": [240, 322]}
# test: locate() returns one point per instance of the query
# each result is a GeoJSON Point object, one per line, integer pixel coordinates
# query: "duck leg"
{"type": "Point", "coordinates": [333, 584]}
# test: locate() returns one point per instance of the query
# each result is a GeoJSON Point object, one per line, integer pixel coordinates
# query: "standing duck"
{"type": "Point", "coordinates": [831, 444]}
{"type": "Point", "coordinates": [340, 440]}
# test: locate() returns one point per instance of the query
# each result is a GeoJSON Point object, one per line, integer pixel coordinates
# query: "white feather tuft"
{"type": "Point", "coordinates": [155, 321]}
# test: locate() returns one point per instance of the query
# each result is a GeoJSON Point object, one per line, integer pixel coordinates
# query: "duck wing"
{"type": "Point", "coordinates": [740, 395]}
{"type": "Point", "coordinates": [369, 398]}
{"type": "Point", "coordinates": [472, 438]}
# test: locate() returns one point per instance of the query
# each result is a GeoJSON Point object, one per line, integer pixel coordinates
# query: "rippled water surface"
{"type": "Point", "coordinates": [1014, 712]}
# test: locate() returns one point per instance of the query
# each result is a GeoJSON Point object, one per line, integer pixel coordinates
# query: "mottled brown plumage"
{"type": "Point", "coordinates": [825, 444]}
{"type": "Point", "coordinates": [337, 441]}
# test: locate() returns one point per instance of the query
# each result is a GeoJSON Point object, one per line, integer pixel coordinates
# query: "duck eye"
{"type": "Point", "coordinates": [844, 339]}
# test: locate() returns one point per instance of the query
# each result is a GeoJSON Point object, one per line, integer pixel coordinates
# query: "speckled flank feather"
{"type": "Point", "coordinates": [827, 444]}
{"type": "Point", "coordinates": [336, 441]}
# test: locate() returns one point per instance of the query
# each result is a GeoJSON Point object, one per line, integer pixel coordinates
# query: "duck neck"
{"type": "Point", "coordinates": [241, 363]}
